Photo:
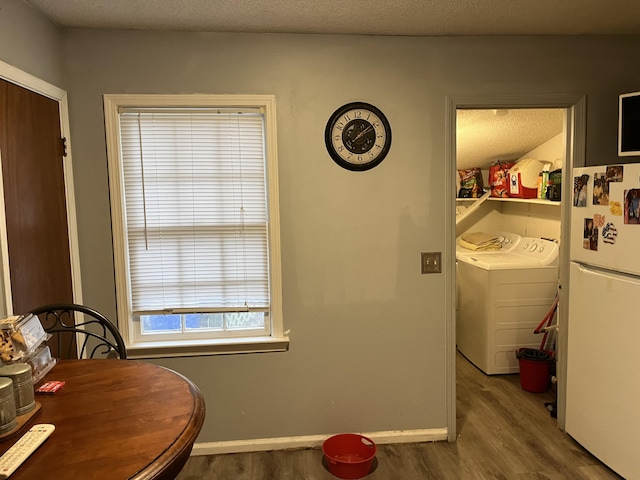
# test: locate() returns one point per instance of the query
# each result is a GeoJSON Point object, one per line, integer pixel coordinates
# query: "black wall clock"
{"type": "Point", "coordinates": [358, 136]}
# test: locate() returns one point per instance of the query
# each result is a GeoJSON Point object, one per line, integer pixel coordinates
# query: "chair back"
{"type": "Point", "coordinates": [75, 325]}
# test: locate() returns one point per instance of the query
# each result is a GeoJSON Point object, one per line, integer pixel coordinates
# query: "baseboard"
{"type": "Point", "coordinates": [314, 441]}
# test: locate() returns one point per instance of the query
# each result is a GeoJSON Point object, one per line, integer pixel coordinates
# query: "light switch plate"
{"type": "Point", "coordinates": [431, 262]}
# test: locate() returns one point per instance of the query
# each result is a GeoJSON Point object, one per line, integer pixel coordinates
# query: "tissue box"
{"type": "Point", "coordinates": [20, 336]}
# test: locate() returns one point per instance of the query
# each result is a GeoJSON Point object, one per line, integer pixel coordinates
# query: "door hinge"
{"type": "Point", "coordinates": [64, 146]}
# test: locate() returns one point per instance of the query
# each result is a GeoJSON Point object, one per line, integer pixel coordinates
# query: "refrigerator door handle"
{"type": "Point", "coordinates": [593, 270]}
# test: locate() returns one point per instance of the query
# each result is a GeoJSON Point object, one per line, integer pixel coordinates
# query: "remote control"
{"type": "Point", "coordinates": [25, 446]}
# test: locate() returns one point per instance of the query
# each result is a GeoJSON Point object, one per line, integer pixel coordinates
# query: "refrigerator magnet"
{"type": "Point", "coordinates": [600, 189]}
{"type": "Point", "coordinates": [609, 233]}
{"type": "Point", "coordinates": [632, 206]}
{"type": "Point", "coordinates": [615, 173]}
{"type": "Point", "coordinates": [615, 208]}
{"type": "Point", "coordinates": [590, 239]}
{"type": "Point", "coordinates": [580, 190]}
{"type": "Point", "coordinates": [598, 220]}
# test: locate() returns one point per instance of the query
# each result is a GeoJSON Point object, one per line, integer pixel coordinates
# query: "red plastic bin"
{"type": "Point", "coordinates": [535, 369]}
{"type": "Point", "coordinates": [349, 455]}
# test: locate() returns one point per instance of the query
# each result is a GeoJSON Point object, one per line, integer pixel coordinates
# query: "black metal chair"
{"type": "Point", "coordinates": [68, 322]}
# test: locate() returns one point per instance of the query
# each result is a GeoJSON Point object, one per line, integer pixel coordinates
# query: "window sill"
{"type": "Point", "coordinates": [196, 348]}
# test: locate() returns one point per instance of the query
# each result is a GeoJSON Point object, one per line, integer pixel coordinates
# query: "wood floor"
{"type": "Point", "coordinates": [503, 433]}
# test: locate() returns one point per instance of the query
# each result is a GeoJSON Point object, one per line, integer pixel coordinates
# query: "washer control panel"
{"type": "Point", "coordinates": [508, 240]}
{"type": "Point", "coordinates": [545, 251]}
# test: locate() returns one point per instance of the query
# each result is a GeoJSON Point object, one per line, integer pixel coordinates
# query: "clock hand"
{"type": "Point", "coordinates": [363, 132]}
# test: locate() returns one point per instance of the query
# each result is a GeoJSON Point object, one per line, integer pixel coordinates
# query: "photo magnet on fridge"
{"type": "Point", "coordinates": [580, 190]}
{"type": "Point", "coordinates": [590, 239]}
{"type": "Point", "coordinates": [600, 189]}
{"type": "Point", "coordinates": [632, 206]}
{"type": "Point", "coordinates": [615, 173]}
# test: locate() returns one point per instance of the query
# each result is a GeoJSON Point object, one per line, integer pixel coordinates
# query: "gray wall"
{"type": "Point", "coordinates": [367, 329]}
{"type": "Point", "coordinates": [30, 42]}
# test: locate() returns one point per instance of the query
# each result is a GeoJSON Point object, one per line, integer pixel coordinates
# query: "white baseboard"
{"type": "Point", "coordinates": [314, 441]}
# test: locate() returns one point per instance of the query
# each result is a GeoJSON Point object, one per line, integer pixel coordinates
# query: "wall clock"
{"type": "Point", "coordinates": [358, 136]}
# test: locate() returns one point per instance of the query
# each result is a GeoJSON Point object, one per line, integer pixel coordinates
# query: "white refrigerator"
{"type": "Point", "coordinates": [603, 355]}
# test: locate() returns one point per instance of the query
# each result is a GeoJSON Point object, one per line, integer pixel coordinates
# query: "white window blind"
{"type": "Point", "coordinates": [196, 210]}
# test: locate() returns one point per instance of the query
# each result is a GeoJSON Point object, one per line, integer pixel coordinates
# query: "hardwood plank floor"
{"type": "Point", "coordinates": [503, 433]}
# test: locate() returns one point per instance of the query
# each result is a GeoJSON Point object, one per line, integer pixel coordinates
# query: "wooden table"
{"type": "Point", "coordinates": [115, 420]}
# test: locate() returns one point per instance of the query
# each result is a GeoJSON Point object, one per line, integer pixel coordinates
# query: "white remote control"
{"type": "Point", "coordinates": [25, 446]}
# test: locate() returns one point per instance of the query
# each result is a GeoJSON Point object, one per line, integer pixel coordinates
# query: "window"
{"type": "Point", "coordinates": [193, 182]}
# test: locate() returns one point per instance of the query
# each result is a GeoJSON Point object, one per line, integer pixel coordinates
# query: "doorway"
{"type": "Point", "coordinates": [40, 270]}
{"type": "Point", "coordinates": [574, 127]}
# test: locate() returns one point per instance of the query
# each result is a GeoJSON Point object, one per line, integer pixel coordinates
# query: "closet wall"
{"type": "Point", "coordinates": [535, 218]}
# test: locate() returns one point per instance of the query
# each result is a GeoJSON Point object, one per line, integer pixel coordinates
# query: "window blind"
{"type": "Point", "coordinates": [196, 210]}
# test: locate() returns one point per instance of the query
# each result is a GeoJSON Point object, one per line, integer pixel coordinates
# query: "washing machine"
{"type": "Point", "coordinates": [503, 296]}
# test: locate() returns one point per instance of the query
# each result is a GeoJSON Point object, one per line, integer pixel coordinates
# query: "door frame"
{"type": "Point", "coordinates": [23, 79]}
{"type": "Point", "coordinates": [575, 146]}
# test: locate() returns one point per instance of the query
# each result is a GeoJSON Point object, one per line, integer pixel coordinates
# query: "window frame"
{"type": "Point", "coordinates": [277, 340]}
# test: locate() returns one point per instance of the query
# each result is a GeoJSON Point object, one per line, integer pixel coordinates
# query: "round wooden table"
{"type": "Point", "coordinates": [115, 420]}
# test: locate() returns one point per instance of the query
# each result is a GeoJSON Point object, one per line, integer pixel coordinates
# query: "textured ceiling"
{"type": "Point", "coordinates": [369, 17]}
{"type": "Point", "coordinates": [485, 136]}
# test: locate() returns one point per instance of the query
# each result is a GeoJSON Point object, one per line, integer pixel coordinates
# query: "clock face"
{"type": "Point", "coordinates": [358, 136]}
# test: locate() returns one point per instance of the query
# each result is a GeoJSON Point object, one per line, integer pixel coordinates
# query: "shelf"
{"type": "Point", "coordinates": [468, 200]}
{"type": "Point", "coordinates": [487, 196]}
{"type": "Point", "coordinates": [476, 202]}
{"type": "Point", "coordinates": [473, 207]}
{"type": "Point", "coordinates": [537, 201]}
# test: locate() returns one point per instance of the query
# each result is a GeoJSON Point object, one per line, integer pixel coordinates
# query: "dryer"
{"type": "Point", "coordinates": [502, 297]}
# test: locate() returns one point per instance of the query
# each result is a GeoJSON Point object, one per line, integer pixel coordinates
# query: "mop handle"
{"type": "Point", "coordinates": [548, 318]}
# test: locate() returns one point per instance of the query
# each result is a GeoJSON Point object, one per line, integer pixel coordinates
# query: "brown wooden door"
{"type": "Point", "coordinates": [34, 192]}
